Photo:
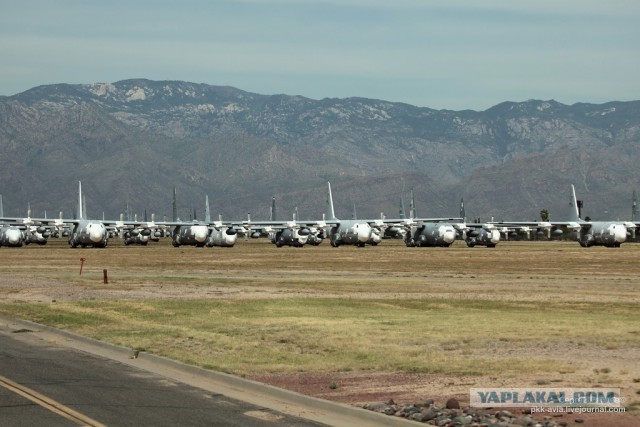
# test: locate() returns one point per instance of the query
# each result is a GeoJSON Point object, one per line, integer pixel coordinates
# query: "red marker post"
{"type": "Point", "coordinates": [82, 260]}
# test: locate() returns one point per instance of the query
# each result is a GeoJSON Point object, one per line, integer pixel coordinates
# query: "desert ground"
{"type": "Point", "coordinates": [354, 325]}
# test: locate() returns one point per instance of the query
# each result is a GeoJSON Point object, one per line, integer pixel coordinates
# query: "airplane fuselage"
{"type": "Point", "coordinates": [296, 237]}
{"type": "Point", "coordinates": [11, 237]}
{"type": "Point", "coordinates": [190, 235]}
{"type": "Point", "coordinates": [223, 237]}
{"type": "Point", "coordinates": [482, 237]}
{"type": "Point", "coordinates": [601, 233]}
{"type": "Point", "coordinates": [88, 233]}
{"type": "Point", "coordinates": [430, 235]}
{"type": "Point", "coordinates": [350, 232]}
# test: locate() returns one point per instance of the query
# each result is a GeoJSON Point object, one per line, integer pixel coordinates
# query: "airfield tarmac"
{"type": "Point", "coordinates": [514, 273]}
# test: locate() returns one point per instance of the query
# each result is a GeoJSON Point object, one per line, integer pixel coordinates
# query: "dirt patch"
{"type": "Point", "coordinates": [358, 389]}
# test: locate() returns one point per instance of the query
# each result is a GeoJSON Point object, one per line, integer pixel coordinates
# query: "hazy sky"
{"type": "Point", "coordinates": [447, 54]}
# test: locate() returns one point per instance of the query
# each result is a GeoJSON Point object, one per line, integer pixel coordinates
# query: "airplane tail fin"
{"type": "Point", "coordinates": [1, 208]}
{"type": "Point", "coordinates": [412, 206]}
{"type": "Point", "coordinates": [463, 215]}
{"type": "Point", "coordinates": [207, 212]}
{"type": "Point", "coordinates": [574, 212]}
{"type": "Point", "coordinates": [273, 209]}
{"type": "Point", "coordinates": [355, 213]}
{"type": "Point", "coordinates": [80, 199]}
{"type": "Point", "coordinates": [174, 205]}
{"type": "Point", "coordinates": [332, 214]}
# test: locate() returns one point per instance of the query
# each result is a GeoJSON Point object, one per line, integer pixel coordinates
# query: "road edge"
{"type": "Point", "coordinates": [285, 401]}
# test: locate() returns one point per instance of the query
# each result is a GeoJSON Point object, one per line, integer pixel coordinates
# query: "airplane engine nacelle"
{"type": "Point", "coordinates": [146, 232]}
{"type": "Point", "coordinates": [158, 233]}
{"type": "Point", "coordinates": [46, 233]}
{"type": "Point", "coordinates": [231, 231]}
{"type": "Point", "coordinates": [304, 232]}
{"type": "Point", "coordinates": [41, 229]}
{"type": "Point", "coordinates": [557, 233]}
{"type": "Point", "coordinates": [255, 235]}
{"type": "Point", "coordinates": [134, 232]}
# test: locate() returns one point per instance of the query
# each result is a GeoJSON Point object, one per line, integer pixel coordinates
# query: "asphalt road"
{"type": "Point", "coordinates": [57, 378]}
{"type": "Point", "coordinates": [107, 392]}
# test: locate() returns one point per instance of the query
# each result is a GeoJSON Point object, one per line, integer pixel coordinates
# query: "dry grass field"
{"type": "Point", "coordinates": [348, 324]}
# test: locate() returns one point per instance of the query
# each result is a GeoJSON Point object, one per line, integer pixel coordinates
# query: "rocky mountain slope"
{"type": "Point", "coordinates": [134, 140]}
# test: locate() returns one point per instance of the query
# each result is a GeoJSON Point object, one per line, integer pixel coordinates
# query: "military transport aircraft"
{"type": "Point", "coordinates": [200, 233]}
{"type": "Point", "coordinates": [428, 234]}
{"type": "Point", "coordinates": [220, 235]}
{"type": "Point", "coordinates": [19, 231]}
{"type": "Point", "coordinates": [587, 233]}
{"type": "Point", "coordinates": [84, 232]}
{"type": "Point", "coordinates": [10, 235]}
{"type": "Point", "coordinates": [359, 232]}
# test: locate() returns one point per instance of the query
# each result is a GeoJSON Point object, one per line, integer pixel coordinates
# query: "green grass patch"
{"type": "Point", "coordinates": [456, 337]}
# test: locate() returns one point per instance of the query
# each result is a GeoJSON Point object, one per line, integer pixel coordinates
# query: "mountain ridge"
{"type": "Point", "coordinates": [134, 140]}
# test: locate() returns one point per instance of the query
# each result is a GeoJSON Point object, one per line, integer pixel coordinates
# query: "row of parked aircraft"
{"type": "Point", "coordinates": [415, 231]}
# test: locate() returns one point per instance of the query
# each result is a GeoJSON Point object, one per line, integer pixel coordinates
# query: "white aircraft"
{"type": "Point", "coordinates": [84, 232]}
{"type": "Point", "coordinates": [220, 234]}
{"type": "Point", "coordinates": [208, 233]}
{"type": "Point", "coordinates": [284, 233]}
{"type": "Point", "coordinates": [10, 235]}
{"type": "Point", "coordinates": [587, 233]}
{"type": "Point", "coordinates": [360, 232]}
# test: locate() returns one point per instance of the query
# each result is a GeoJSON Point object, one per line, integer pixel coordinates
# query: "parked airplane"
{"type": "Point", "coordinates": [190, 234]}
{"type": "Point", "coordinates": [139, 233]}
{"type": "Point", "coordinates": [86, 232]}
{"type": "Point", "coordinates": [360, 232]}
{"type": "Point", "coordinates": [477, 233]}
{"type": "Point", "coordinates": [10, 235]}
{"type": "Point", "coordinates": [587, 233]}
{"type": "Point", "coordinates": [220, 234]}
{"type": "Point", "coordinates": [200, 233]}
{"type": "Point", "coordinates": [23, 231]}
{"type": "Point", "coordinates": [428, 234]}
{"type": "Point", "coordinates": [346, 232]}
{"type": "Point", "coordinates": [285, 233]}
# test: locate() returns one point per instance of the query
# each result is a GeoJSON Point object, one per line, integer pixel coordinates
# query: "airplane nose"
{"type": "Point", "coordinates": [200, 233]}
{"type": "Point", "coordinates": [495, 236]}
{"type": "Point", "coordinates": [230, 239]}
{"type": "Point", "coordinates": [364, 232]}
{"type": "Point", "coordinates": [620, 233]}
{"type": "Point", "coordinates": [14, 236]}
{"type": "Point", "coordinates": [96, 233]}
{"type": "Point", "coordinates": [449, 236]}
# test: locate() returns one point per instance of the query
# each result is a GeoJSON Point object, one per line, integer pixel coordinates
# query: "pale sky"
{"type": "Point", "coordinates": [447, 54]}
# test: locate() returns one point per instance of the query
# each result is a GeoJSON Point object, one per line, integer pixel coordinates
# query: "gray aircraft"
{"type": "Point", "coordinates": [346, 232]}
{"type": "Point", "coordinates": [477, 234]}
{"type": "Point", "coordinates": [429, 234]}
{"type": "Point", "coordinates": [207, 233]}
{"type": "Point", "coordinates": [10, 235]}
{"type": "Point", "coordinates": [136, 233]}
{"type": "Point", "coordinates": [16, 232]}
{"type": "Point", "coordinates": [587, 233]}
{"type": "Point", "coordinates": [189, 234]}
{"type": "Point", "coordinates": [220, 234]}
{"type": "Point", "coordinates": [86, 232]}
{"type": "Point", "coordinates": [360, 232]}
{"type": "Point", "coordinates": [596, 233]}
{"type": "Point", "coordinates": [285, 233]}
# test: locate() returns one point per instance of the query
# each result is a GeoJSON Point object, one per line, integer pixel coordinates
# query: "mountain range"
{"type": "Point", "coordinates": [133, 141]}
